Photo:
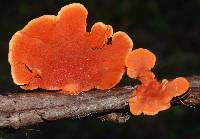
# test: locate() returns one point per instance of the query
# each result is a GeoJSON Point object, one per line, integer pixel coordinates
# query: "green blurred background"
{"type": "Point", "coordinates": [171, 29]}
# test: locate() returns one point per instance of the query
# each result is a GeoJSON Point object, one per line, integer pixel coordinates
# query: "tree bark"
{"type": "Point", "coordinates": [24, 109]}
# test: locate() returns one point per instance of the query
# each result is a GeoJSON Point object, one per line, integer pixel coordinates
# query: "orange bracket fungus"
{"type": "Point", "coordinates": [151, 96]}
{"type": "Point", "coordinates": [57, 53]}
{"type": "Point", "coordinates": [139, 63]}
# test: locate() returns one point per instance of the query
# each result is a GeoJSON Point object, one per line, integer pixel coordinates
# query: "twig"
{"type": "Point", "coordinates": [24, 109]}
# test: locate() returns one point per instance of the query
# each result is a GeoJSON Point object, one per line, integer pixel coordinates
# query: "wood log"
{"type": "Point", "coordinates": [23, 109]}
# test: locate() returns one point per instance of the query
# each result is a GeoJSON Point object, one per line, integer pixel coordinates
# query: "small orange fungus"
{"type": "Point", "coordinates": [151, 96]}
{"type": "Point", "coordinates": [57, 53]}
{"type": "Point", "coordinates": [140, 62]}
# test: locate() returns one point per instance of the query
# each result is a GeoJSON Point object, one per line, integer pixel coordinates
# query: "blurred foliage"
{"type": "Point", "coordinates": [171, 29]}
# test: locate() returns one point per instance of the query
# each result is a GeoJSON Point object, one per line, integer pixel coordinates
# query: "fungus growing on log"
{"type": "Point", "coordinates": [57, 53]}
{"type": "Point", "coordinates": [151, 96]}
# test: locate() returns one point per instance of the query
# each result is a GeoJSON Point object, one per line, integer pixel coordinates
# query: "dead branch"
{"type": "Point", "coordinates": [23, 109]}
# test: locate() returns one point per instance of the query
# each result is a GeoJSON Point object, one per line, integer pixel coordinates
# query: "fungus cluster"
{"type": "Point", "coordinates": [151, 96]}
{"type": "Point", "coordinates": [57, 53]}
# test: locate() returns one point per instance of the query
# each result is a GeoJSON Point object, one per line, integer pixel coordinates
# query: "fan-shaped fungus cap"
{"type": "Point", "coordinates": [56, 52]}
{"type": "Point", "coordinates": [156, 96]}
{"type": "Point", "coordinates": [140, 62]}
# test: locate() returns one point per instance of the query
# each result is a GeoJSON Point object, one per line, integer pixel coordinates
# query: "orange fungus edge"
{"type": "Point", "coordinates": [182, 85]}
